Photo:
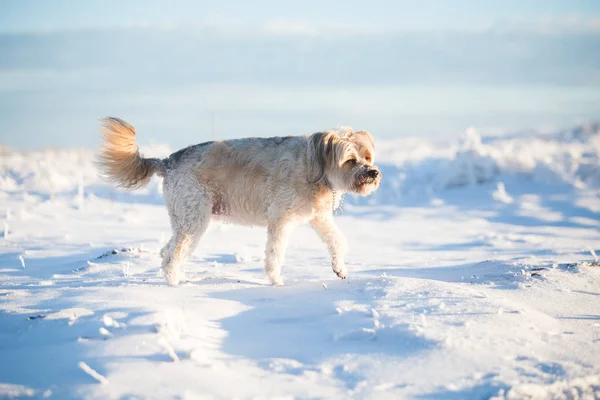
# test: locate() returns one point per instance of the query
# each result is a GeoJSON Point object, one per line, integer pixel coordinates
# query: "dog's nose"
{"type": "Point", "coordinates": [373, 173]}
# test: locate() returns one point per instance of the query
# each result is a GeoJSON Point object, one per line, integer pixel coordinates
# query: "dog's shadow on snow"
{"type": "Point", "coordinates": [305, 323]}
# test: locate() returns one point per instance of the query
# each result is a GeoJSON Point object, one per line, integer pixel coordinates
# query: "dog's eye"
{"type": "Point", "coordinates": [351, 161]}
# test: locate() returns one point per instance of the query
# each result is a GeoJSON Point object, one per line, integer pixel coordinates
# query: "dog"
{"type": "Point", "coordinates": [276, 182]}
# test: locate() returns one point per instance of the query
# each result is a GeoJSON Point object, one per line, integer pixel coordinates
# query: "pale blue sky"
{"type": "Point", "coordinates": [273, 67]}
{"type": "Point", "coordinates": [28, 15]}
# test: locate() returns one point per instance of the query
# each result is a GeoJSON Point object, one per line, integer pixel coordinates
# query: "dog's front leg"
{"type": "Point", "coordinates": [278, 233]}
{"type": "Point", "coordinates": [335, 241]}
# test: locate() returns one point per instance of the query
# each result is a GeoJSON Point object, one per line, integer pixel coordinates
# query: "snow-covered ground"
{"type": "Point", "coordinates": [472, 275]}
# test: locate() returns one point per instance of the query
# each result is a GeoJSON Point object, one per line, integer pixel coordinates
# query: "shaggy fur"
{"type": "Point", "coordinates": [274, 182]}
{"type": "Point", "coordinates": [119, 158]}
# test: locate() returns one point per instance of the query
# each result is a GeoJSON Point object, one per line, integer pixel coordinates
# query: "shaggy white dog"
{"type": "Point", "coordinates": [274, 182]}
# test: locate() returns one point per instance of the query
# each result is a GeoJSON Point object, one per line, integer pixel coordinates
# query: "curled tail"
{"type": "Point", "coordinates": [120, 161]}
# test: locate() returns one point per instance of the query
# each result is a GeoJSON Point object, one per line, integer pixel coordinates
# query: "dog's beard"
{"type": "Point", "coordinates": [367, 186]}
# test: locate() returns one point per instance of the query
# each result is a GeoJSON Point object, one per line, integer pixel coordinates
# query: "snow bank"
{"type": "Point", "coordinates": [410, 166]}
{"type": "Point", "coordinates": [424, 167]}
{"type": "Point", "coordinates": [579, 388]}
{"type": "Point", "coordinates": [52, 172]}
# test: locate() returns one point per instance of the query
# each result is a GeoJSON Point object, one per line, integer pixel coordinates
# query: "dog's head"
{"type": "Point", "coordinates": [344, 161]}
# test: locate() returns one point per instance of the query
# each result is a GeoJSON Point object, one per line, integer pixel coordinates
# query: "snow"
{"type": "Point", "coordinates": [91, 372]}
{"type": "Point", "coordinates": [472, 274]}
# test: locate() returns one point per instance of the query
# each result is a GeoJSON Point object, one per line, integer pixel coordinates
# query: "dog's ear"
{"type": "Point", "coordinates": [367, 136]}
{"type": "Point", "coordinates": [320, 150]}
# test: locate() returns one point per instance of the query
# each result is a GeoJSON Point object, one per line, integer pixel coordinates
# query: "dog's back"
{"type": "Point", "coordinates": [244, 176]}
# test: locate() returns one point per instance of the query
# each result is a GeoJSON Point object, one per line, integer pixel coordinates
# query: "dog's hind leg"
{"type": "Point", "coordinates": [335, 241]}
{"type": "Point", "coordinates": [190, 210]}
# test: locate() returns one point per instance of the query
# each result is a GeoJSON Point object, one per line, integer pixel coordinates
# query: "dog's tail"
{"type": "Point", "coordinates": [120, 161]}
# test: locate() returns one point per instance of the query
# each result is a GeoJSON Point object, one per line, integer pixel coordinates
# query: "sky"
{"type": "Point", "coordinates": [40, 15]}
{"type": "Point", "coordinates": [189, 71]}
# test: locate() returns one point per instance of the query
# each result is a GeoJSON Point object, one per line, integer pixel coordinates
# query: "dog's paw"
{"type": "Point", "coordinates": [276, 280]}
{"type": "Point", "coordinates": [173, 280]}
{"type": "Point", "coordinates": [342, 272]}
{"type": "Point", "coordinates": [173, 277]}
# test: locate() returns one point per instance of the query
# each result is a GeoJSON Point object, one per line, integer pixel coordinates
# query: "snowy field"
{"type": "Point", "coordinates": [473, 274]}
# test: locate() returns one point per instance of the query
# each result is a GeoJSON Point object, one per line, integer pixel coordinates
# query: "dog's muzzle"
{"type": "Point", "coordinates": [369, 176]}
{"type": "Point", "coordinates": [373, 173]}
